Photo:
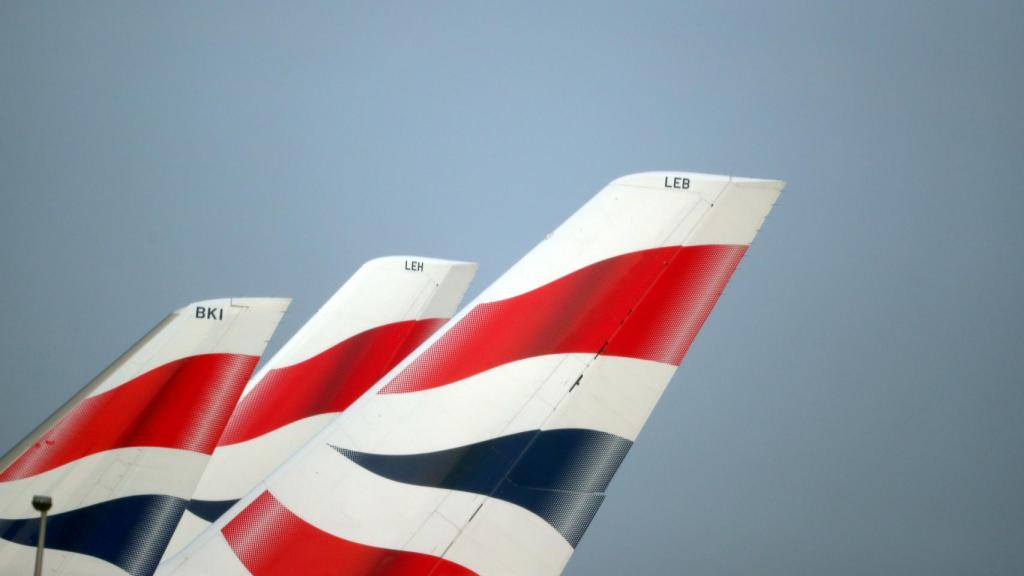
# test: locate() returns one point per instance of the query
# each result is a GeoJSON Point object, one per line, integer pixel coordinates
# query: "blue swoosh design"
{"type": "Point", "coordinates": [559, 475]}
{"type": "Point", "coordinates": [210, 510]}
{"type": "Point", "coordinates": [131, 533]}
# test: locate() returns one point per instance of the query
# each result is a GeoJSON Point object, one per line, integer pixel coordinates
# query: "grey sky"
{"type": "Point", "coordinates": [853, 405]}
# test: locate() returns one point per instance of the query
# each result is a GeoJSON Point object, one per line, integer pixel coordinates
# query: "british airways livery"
{"type": "Point", "coordinates": [392, 435]}
{"type": "Point", "coordinates": [383, 312]}
{"type": "Point", "coordinates": [491, 447]}
{"type": "Point", "coordinates": [121, 459]}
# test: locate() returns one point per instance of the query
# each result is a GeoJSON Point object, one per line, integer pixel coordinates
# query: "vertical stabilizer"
{"type": "Point", "coordinates": [383, 312]}
{"type": "Point", "coordinates": [122, 457]}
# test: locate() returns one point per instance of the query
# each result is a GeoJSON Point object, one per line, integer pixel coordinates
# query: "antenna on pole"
{"type": "Point", "coordinates": [42, 504]}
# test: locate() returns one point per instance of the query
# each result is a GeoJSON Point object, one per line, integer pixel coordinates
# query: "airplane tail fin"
{"type": "Point", "coordinates": [383, 312]}
{"type": "Point", "coordinates": [122, 457]}
{"type": "Point", "coordinates": [490, 449]}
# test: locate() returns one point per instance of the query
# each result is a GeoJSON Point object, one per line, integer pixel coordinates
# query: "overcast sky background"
{"type": "Point", "coordinates": [853, 405]}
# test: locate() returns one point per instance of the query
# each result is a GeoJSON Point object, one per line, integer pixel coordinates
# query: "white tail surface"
{"type": "Point", "coordinates": [380, 315]}
{"type": "Point", "coordinates": [489, 450]}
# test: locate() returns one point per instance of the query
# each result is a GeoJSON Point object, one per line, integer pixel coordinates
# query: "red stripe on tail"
{"type": "Point", "coordinates": [647, 305]}
{"type": "Point", "coordinates": [183, 404]}
{"type": "Point", "coordinates": [327, 382]}
{"type": "Point", "coordinates": [270, 540]}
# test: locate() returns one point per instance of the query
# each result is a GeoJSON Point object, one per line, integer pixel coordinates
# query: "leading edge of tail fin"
{"type": "Point", "coordinates": [490, 449]}
{"type": "Point", "coordinates": [123, 456]}
{"type": "Point", "coordinates": [384, 311]}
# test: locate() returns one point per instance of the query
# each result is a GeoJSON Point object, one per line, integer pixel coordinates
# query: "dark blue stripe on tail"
{"type": "Point", "coordinates": [210, 510]}
{"type": "Point", "coordinates": [559, 475]}
{"type": "Point", "coordinates": [130, 532]}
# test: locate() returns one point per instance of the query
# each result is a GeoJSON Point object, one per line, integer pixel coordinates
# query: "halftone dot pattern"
{"type": "Point", "coordinates": [271, 540]}
{"type": "Point", "coordinates": [647, 305]}
{"type": "Point", "coordinates": [146, 538]}
{"type": "Point", "coordinates": [568, 512]}
{"type": "Point", "coordinates": [210, 510]}
{"type": "Point", "coordinates": [575, 460]}
{"type": "Point", "coordinates": [327, 382]}
{"type": "Point", "coordinates": [208, 411]}
{"type": "Point", "coordinates": [130, 532]}
{"type": "Point", "coordinates": [183, 404]}
{"type": "Point", "coordinates": [264, 525]}
{"type": "Point", "coordinates": [664, 324]}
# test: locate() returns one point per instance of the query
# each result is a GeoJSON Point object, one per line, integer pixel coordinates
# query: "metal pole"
{"type": "Point", "coordinates": [42, 504]}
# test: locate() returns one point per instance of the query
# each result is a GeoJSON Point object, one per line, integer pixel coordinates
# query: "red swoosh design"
{"type": "Point", "coordinates": [269, 539]}
{"type": "Point", "coordinates": [647, 305]}
{"type": "Point", "coordinates": [183, 404]}
{"type": "Point", "coordinates": [327, 382]}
